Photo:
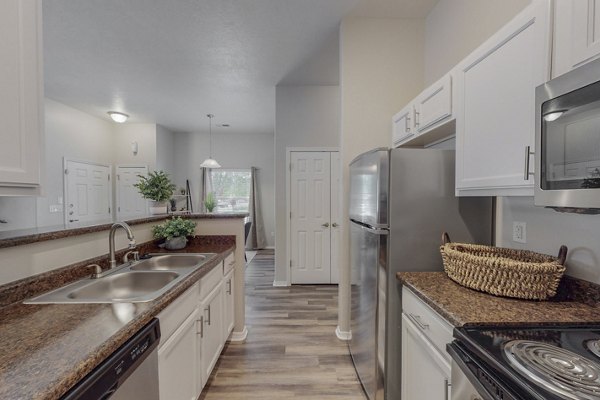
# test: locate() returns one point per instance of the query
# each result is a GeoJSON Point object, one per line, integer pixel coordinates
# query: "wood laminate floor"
{"type": "Point", "coordinates": [291, 351]}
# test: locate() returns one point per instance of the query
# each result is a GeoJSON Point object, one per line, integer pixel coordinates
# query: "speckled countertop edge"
{"type": "Point", "coordinates": [34, 235]}
{"type": "Point", "coordinates": [461, 306]}
{"type": "Point", "coordinates": [16, 383]}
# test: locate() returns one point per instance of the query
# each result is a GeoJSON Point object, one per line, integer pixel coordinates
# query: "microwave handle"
{"type": "Point", "coordinates": [528, 154]}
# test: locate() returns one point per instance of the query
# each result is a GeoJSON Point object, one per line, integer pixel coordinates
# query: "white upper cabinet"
{"type": "Point", "coordinates": [496, 105]}
{"type": "Point", "coordinates": [576, 34]}
{"type": "Point", "coordinates": [434, 104]}
{"type": "Point", "coordinates": [21, 97]}
{"type": "Point", "coordinates": [426, 119]}
{"type": "Point", "coordinates": [402, 126]}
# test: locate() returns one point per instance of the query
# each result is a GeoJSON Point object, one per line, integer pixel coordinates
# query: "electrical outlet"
{"type": "Point", "coordinates": [519, 232]}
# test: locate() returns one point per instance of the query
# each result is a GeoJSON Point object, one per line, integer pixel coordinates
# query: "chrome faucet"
{"type": "Point", "coordinates": [111, 241]}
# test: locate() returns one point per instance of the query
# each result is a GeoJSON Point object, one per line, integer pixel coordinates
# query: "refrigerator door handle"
{"type": "Point", "coordinates": [376, 231]}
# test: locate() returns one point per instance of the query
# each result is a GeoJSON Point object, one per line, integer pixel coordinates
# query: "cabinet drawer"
{"type": "Point", "coordinates": [209, 281]}
{"type": "Point", "coordinates": [430, 323]}
{"type": "Point", "coordinates": [229, 263]}
{"type": "Point", "coordinates": [173, 316]}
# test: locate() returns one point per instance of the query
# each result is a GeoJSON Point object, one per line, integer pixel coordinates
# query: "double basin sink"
{"type": "Point", "coordinates": [136, 282]}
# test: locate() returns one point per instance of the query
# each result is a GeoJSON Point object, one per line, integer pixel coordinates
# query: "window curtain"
{"type": "Point", "coordinates": [256, 237]}
{"type": "Point", "coordinates": [205, 187]}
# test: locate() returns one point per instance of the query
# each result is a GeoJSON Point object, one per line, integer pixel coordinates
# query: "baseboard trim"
{"type": "Point", "coordinates": [280, 284]}
{"type": "Point", "coordinates": [270, 248]}
{"type": "Point", "coordinates": [239, 336]}
{"type": "Point", "coordinates": [343, 335]}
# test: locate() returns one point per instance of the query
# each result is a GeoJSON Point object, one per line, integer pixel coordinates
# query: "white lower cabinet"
{"type": "Point", "coordinates": [212, 335]}
{"type": "Point", "coordinates": [178, 361]}
{"type": "Point", "coordinates": [228, 306]}
{"type": "Point", "coordinates": [426, 366]}
{"type": "Point", "coordinates": [194, 329]}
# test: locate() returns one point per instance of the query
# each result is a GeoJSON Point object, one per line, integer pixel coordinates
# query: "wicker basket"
{"type": "Point", "coordinates": [503, 272]}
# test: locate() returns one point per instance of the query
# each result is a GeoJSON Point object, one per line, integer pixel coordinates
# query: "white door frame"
{"type": "Point", "coordinates": [65, 188]}
{"type": "Point", "coordinates": [288, 204]}
{"type": "Point", "coordinates": [116, 199]}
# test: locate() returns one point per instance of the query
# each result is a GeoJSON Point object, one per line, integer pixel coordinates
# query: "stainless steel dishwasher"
{"type": "Point", "coordinates": [130, 373]}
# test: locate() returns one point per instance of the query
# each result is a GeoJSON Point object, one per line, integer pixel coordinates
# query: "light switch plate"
{"type": "Point", "coordinates": [519, 232]}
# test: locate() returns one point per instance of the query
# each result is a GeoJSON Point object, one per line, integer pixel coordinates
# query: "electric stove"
{"type": "Point", "coordinates": [542, 363]}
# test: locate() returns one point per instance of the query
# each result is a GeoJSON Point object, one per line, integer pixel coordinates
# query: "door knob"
{"type": "Point", "coordinates": [325, 225]}
{"type": "Point", "coordinates": [335, 225]}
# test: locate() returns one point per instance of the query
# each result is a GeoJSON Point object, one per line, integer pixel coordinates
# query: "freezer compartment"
{"type": "Point", "coordinates": [369, 176]}
{"type": "Point", "coordinates": [368, 259]}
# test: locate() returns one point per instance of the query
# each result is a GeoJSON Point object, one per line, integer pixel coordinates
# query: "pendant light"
{"type": "Point", "coordinates": [210, 162]}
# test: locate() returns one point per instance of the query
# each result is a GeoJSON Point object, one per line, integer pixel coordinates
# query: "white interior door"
{"type": "Point", "coordinates": [130, 202]}
{"type": "Point", "coordinates": [87, 193]}
{"type": "Point", "coordinates": [310, 205]}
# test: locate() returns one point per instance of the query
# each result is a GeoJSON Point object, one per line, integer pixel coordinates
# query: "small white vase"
{"type": "Point", "coordinates": [177, 243]}
{"type": "Point", "coordinates": [157, 207]}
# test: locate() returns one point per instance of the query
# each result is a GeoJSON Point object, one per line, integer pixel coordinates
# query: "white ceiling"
{"type": "Point", "coordinates": [172, 62]}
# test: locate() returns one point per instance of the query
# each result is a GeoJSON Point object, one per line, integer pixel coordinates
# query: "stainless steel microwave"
{"type": "Point", "coordinates": [567, 144]}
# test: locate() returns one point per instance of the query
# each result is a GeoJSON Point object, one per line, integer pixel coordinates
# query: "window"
{"type": "Point", "coordinates": [231, 188]}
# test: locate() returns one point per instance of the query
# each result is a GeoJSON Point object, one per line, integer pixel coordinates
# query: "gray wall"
{"type": "Point", "coordinates": [231, 151]}
{"type": "Point", "coordinates": [305, 116]}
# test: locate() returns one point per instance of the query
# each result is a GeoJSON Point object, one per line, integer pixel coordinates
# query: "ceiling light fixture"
{"type": "Point", "coordinates": [553, 115]}
{"type": "Point", "coordinates": [210, 162]}
{"type": "Point", "coordinates": [118, 116]}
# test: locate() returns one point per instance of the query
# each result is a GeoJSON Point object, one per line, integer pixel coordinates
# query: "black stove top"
{"type": "Point", "coordinates": [545, 363]}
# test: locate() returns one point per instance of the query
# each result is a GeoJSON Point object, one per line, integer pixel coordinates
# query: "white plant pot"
{"type": "Point", "coordinates": [177, 243]}
{"type": "Point", "coordinates": [157, 207]}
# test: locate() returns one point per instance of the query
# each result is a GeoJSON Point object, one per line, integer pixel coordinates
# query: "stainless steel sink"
{"type": "Point", "coordinates": [124, 286]}
{"type": "Point", "coordinates": [169, 262]}
{"type": "Point", "coordinates": [136, 282]}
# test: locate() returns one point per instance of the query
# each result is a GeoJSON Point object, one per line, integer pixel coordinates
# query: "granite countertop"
{"type": "Point", "coordinates": [47, 349]}
{"type": "Point", "coordinates": [34, 235]}
{"type": "Point", "coordinates": [575, 304]}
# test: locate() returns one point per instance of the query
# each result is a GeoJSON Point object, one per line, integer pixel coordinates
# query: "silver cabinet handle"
{"type": "Point", "coordinates": [325, 225]}
{"type": "Point", "coordinates": [229, 286]}
{"type": "Point", "coordinates": [406, 122]}
{"type": "Point", "coordinates": [73, 220]}
{"type": "Point", "coordinates": [201, 321]}
{"type": "Point", "coordinates": [416, 118]}
{"type": "Point", "coordinates": [208, 319]}
{"type": "Point", "coordinates": [447, 386]}
{"type": "Point", "coordinates": [417, 320]}
{"type": "Point", "coordinates": [528, 154]}
{"type": "Point", "coordinates": [335, 225]}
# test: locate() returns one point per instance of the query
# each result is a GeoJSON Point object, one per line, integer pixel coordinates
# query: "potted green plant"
{"type": "Point", "coordinates": [210, 202]}
{"type": "Point", "coordinates": [175, 232]}
{"type": "Point", "coordinates": [158, 188]}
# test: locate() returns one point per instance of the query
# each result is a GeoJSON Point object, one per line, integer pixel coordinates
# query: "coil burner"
{"type": "Point", "coordinates": [555, 369]}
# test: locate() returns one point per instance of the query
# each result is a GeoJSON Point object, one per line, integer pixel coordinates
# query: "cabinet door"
{"type": "Point", "coordinates": [21, 95]}
{"type": "Point", "coordinates": [228, 305]}
{"type": "Point", "coordinates": [178, 362]}
{"type": "Point", "coordinates": [576, 34]}
{"type": "Point", "coordinates": [425, 373]}
{"type": "Point", "coordinates": [434, 104]}
{"type": "Point", "coordinates": [402, 128]}
{"type": "Point", "coordinates": [496, 105]}
{"type": "Point", "coordinates": [212, 335]}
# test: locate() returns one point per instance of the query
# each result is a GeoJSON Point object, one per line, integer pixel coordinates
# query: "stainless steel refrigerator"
{"type": "Point", "coordinates": [401, 200]}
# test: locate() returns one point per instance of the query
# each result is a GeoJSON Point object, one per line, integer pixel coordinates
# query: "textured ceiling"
{"type": "Point", "coordinates": [172, 62]}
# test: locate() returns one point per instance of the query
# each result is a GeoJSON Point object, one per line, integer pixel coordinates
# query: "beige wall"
{"type": "Point", "coordinates": [305, 116]}
{"type": "Point", "coordinates": [144, 135]}
{"type": "Point", "coordinates": [381, 69]}
{"type": "Point", "coordinates": [454, 28]}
